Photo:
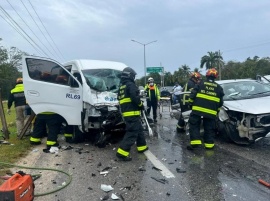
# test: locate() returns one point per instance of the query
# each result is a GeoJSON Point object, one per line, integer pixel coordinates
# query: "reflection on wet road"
{"type": "Point", "coordinates": [229, 172]}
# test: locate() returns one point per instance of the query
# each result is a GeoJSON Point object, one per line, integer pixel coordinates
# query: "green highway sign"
{"type": "Point", "coordinates": [154, 69]}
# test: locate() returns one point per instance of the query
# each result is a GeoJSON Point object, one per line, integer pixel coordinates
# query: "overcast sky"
{"type": "Point", "coordinates": [103, 29]}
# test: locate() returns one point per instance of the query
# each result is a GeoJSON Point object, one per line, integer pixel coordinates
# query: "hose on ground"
{"type": "Point", "coordinates": [41, 168]}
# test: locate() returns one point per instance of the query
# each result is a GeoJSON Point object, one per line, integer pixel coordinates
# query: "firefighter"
{"type": "Point", "coordinates": [184, 103]}
{"type": "Point", "coordinates": [17, 96]}
{"type": "Point", "coordinates": [152, 97]}
{"type": "Point", "coordinates": [206, 99]}
{"type": "Point", "coordinates": [50, 120]}
{"type": "Point", "coordinates": [130, 105]}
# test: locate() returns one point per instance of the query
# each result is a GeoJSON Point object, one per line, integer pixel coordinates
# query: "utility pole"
{"type": "Point", "coordinates": [219, 65]}
{"type": "Point", "coordinates": [144, 57]}
{"type": "Point", "coordinates": [3, 119]}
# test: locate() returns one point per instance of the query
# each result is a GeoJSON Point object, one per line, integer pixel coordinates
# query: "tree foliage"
{"type": "Point", "coordinates": [10, 68]}
{"type": "Point", "coordinates": [213, 59]}
{"type": "Point", "coordinates": [229, 70]}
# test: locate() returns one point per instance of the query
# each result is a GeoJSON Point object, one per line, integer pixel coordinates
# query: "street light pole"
{"type": "Point", "coordinates": [144, 57]}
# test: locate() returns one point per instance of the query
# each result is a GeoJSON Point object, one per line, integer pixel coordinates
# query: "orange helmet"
{"type": "Point", "coordinates": [212, 72]}
{"type": "Point", "coordinates": [19, 80]}
{"type": "Point", "coordinates": [196, 75]}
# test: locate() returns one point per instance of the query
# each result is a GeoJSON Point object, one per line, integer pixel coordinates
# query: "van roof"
{"type": "Point", "coordinates": [94, 64]}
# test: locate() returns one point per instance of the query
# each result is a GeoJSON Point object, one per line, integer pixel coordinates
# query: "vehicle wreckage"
{"type": "Point", "coordinates": [245, 115]}
{"type": "Point", "coordinates": [83, 92]}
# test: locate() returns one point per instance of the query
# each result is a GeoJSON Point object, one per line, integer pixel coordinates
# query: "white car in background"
{"type": "Point", "coordinates": [245, 115]}
{"type": "Point", "coordinates": [265, 78]}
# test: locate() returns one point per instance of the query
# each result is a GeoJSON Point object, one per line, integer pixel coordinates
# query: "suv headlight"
{"type": "Point", "coordinates": [222, 115]}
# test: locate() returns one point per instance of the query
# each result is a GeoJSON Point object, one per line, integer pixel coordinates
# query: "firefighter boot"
{"type": "Point", "coordinates": [123, 158]}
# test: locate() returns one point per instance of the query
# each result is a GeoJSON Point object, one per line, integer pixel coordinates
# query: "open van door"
{"type": "Point", "coordinates": [50, 87]}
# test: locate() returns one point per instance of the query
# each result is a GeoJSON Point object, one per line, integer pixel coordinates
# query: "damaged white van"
{"type": "Point", "coordinates": [83, 92]}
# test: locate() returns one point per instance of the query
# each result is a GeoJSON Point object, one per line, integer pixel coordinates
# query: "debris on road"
{"type": "Point", "coordinates": [4, 142]}
{"type": "Point", "coordinates": [264, 183]}
{"type": "Point", "coordinates": [179, 170]}
{"type": "Point", "coordinates": [141, 169]}
{"type": "Point", "coordinates": [163, 181]}
{"type": "Point", "coordinates": [105, 169]}
{"type": "Point", "coordinates": [104, 173]}
{"type": "Point", "coordinates": [114, 197]}
{"type": "Point", "coordinates": [106, 197]}
{"type": "Point", "coordinates": [106, 188]}
{"type": "Point", "coordinates": [155, 168]}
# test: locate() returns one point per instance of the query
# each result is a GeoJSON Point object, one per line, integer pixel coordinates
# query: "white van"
{"type": "Point", "coordinates": [83, 92]}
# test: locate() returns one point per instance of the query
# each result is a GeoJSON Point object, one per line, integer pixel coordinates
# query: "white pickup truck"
{"type": "Point", "coordinates": [83, 92]}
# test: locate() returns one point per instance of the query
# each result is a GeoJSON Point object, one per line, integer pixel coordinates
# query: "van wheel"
{"type": "Point", "coordinates": [78, 135]}
{"type": "Point", "coordinates": [102, 139]}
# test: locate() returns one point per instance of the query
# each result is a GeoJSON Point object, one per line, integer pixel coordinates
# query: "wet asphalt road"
{"type": "Point", "coordinates": [229, 172]}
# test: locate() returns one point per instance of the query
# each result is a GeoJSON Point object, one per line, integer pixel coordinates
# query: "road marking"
{"type": "Point", "coordinates": [164, 170]}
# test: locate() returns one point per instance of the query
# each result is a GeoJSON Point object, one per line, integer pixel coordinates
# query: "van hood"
{"type": "Point", "coordinates": [252, 106]}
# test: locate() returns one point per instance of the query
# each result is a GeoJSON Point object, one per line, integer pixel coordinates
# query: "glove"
{"type": "Point", "coordinates": [142, 107]}
{"type": "Point", "coordinates": [8, 111]}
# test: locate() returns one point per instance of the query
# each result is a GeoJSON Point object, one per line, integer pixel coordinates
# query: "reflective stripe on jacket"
{"type": "Point", "coordinates": [17, 96]}
{"type": "Point", "coordinates": [206, 99]}
{"type": "Point", "coordinates": [148, 89]}
{"type": "Point", "coordinates": [188, 87]}
{"type": "Point", "coordinates": [129, 99]}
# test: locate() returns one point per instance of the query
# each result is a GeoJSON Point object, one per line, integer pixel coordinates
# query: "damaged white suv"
{"type": "Point", "coordinates": [245, 115]}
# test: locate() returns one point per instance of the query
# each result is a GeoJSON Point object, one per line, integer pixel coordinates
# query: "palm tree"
{"type": "Point", "coordinates": [213, 59]}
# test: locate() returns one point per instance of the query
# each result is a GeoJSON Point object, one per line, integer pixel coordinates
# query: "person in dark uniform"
{"type": "Point", "coordinates": [17, 96]}
{"type": "Point", "coordinates": [50, 120]}
{"type": "Point", "coordinates": [184, 103]}
{"type": "Point", "coordinates": [131, 106]}
{"type": "Point", "coordinates": [152, 97]}
{"type": "Point", "coordinates": [206, 99]}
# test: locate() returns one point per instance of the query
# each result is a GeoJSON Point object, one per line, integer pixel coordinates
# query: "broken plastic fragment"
{"type": "Point", "coordinates": [178, 170]}
{"type": "Point", "coordinates": [104, 172]}
{"type": "Point", "coordinates": [106, 197]}
{"type": "Point", "coordinates": [106, 188]}
{"type": "Point", "coordinates": [54, 150]}
{"type": "Point", "coordinates": [114, 197]}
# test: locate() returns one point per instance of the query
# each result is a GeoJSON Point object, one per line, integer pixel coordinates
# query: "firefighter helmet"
{"type": "Point", "coordinates": [128, 73]}
{"type": "Point", "coordinates": [150, 79]}
{"type": "Point", "coordinates": [196, 75]}
{"type": "Point", "coordinates": [19, 80]}
{"type": "Point", "coordinates": [212, 73]}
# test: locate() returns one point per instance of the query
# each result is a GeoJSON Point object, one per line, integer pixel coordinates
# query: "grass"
{"type": "Point", "coordinates": [17, 148]}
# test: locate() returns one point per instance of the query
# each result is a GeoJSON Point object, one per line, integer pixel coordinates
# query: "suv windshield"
{"type": "Point", "coordinates": [245, 90]}
{"type": "Point", "coordinates": [103, 79]}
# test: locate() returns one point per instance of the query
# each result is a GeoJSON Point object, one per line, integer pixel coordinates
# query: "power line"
{"type": "Point", "coordinates": [46, 30]}
{"type": "Point", "coordinates": [29, 28]}
{"type": "Point", "coordinates": [239, 48]}
{"type": "Point", "coordinates": [38, 27]}
{"type": "Point", "coordinates": [20, 34]}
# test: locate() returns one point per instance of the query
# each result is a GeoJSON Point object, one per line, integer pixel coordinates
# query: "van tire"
{"type": "Point", "coordinates": [78, 135]}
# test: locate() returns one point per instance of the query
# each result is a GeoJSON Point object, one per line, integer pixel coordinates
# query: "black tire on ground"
{"type": "Point", "coordinates": [231, 133]}
{"type": "Point", "coordinates": [223, 131]}
{"type": "Point", "coordinates": [78, 135]}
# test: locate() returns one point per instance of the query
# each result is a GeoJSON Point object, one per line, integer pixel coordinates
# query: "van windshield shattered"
{"type": "Point", "coordinates": [103, 79]}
